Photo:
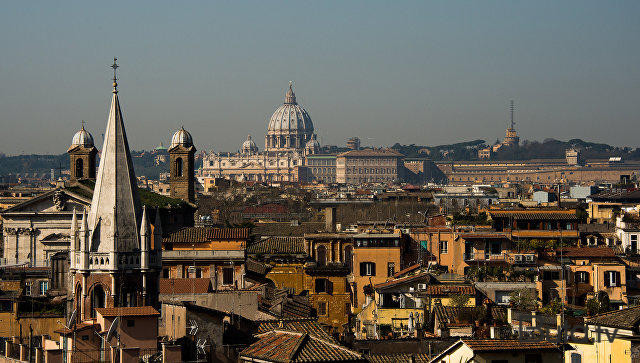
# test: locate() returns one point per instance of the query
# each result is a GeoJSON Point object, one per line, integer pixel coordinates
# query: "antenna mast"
{"type": "Point", "coordinates": [512, 111]}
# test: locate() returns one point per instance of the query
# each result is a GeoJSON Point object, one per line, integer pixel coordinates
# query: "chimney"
{"type": "Point", "coordinates": [330, 219]}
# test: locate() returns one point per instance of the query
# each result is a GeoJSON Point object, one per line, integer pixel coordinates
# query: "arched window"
{"type": "Point", "coordinates": [321, 255]}
{"type": "Point", "coordinates": [97, 299]}
{"type": "Point", "coordinates": [79, 168]}
{"type": "Point", "coordinates": [179, 167]}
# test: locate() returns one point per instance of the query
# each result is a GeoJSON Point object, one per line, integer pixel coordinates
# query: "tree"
{"type": "Point", "coordinates": [459, 300]}
{"type": "Point", "coordinates": [553, 307]}
{"type": "Point", "coordinates": [598, 304]}
{"type": "Point", "coordinates": [523, 299]}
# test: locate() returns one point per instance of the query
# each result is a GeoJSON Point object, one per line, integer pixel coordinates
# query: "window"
{"type": "Point", "coordinates": [178, 167]}
{"type": "Point", "coordinates": [131, 323]}
{"type": "Point", "coordinates": [324, 286]}
{"type": "Point", "coordinates": [198, 272]}
{"type": "Point", "coordinates": [367, 269]}
{"type": "Point", "coordinates": [582, 277]}
{"type": "Point", "coordinates": [391, 269]}
{"type": "Point", "coordinates": [611, 278]}
{"type": "Point", "coordinates": [27, 289]}
{"type": "Point", "coordinates": [322, 308]}
{"type": "Point", "coordinates": [444, 246]}
{"type": "Point", "coordinates": [496, 248]}
{"type": "Point", "coordinates": [551, 275]}
{"type": "Point", "coordinates": [44, 287]}
{"type": "Point", "coordinates": [321, 255]}
{"type": "Point", "coordinates": [227, 276]}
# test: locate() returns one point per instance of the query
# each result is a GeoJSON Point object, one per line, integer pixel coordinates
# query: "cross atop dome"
{"type": "Point", "coordinates": [290, 97]}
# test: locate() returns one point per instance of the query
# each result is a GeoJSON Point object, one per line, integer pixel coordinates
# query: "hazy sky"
{"type": "Point", "coordinates": [425, 72]}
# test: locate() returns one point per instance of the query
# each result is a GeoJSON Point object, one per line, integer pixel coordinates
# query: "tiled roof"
{"type": "Point", "coordinates": [490, 345]}
{"type": "Point", "coordinates": [371, 152]}
{"type": "Point", "coordinates": [578, 252]}
{"type": "Point", "coordinates": [204, 234]}
{"type": "Point", "coordinates": [403, 280]}
{"type": "Point", "coordinates": [456, 316]}
{"type": "Point", "coordinates": [284, 305]}
{"type": "Point", "coordinates": [488, 235]}
{"type": "Point", "coordinates": [407, 270]}
{"type": "Point", "coordinates": [78, 327]}
{"type": "Point", "coordinates": [398, 357]}
{"type": "Point", "coordinates": [283, 346]}
{"type": "Point", "coordinates": [535, 214]}
{"type": "Point", "coordinates": [307, 326]}
{"type": "Point", "coordinates": [624, 319]}
{"type": "Point", "coordinates": [185, 286]}
{"type": "Point", "coordinates": [278, 246]}
{"type": "Point", "coordinates": [450, 289]}
{"type": "Point", "coordinates": [128, 311]}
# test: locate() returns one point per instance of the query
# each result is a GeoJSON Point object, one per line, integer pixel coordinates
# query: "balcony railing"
{"type": "Point", "coordinates": [202, 254]}
{"type": "Point", "coordinates": [487, 257]}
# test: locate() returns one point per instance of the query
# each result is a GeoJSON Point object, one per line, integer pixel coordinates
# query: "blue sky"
{"type": "Point", "coordinates": [424, 72]}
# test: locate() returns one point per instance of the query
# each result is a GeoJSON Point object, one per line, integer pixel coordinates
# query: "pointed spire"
{"type": "Point", "coordinates": [144, 224]}
{"type": "Point", "coordinates": [115, 207]}
{"type": "Point", "coordinates": [290, 97]}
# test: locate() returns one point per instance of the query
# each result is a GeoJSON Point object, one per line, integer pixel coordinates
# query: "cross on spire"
{"type": "Point", "coordinates": [115, 66]}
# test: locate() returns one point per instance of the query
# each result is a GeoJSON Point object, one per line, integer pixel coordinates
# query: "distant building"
{"type": "Point", "coordinates": [573, 157]}
{"type": "Point", "coordinates": [290, 136]}
{"type": "Point", "coordinates": [368, 166]}
{"type": "Point", "coordinates": [353, 143]}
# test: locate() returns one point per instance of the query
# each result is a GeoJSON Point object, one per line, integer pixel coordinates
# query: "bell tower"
{"type": "Point", "coordinates": [115, 252]}
{"type": "Point", "coordinates": [182, 171]}
{"type": "Point", "coordinates": [82, 156]}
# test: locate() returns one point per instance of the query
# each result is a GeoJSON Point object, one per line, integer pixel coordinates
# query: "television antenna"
{"type": "Point", "coordinates": [193, 327]}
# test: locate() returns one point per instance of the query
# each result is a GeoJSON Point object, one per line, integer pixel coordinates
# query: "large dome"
{"type": "Point", "coordinates": [182, 137]}
{"type": "Point", "coordinates": [290, 126]}
{"type": "Point", "coordinates": [82, 138]}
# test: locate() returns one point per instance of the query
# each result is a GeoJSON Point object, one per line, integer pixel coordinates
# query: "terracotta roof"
{"type": "Point", "coordinates": [450, 289]}
{"type": "Point", "coordinates": [407, 270]}
{"type": "Point", "coordinates": [624, 319]}
{"type": "Point", "coordinates": [128, 311]}
{"type": "Point", "coordinates": [494, 235]}
{"type": "Point", "coordinates": [403, 280]}
{"type": "Point", "coordinates": [307, 326]}
{"type": "Point", "coordinates": [578, 252]}
{"type": "Point", "coordinates": [535, 214]}
{"type": "Point", "coordinates": [185, 286]}
{"type": "Point", "coordinates": [489, 345]}
{"type": "Point", "coordinates": [282, 346]}
{"type": "Point", "coordinates": [371, 152]}
{"type": "Point", "coordinates": [278, 246]}
{"type": "Point", "coordinates": [205, 234]}
{"type": "Point", "coordinates": [398, 357]}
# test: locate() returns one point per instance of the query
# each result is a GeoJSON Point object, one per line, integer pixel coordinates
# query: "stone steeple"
{"type": "Point", "coordinates": [115, 208]}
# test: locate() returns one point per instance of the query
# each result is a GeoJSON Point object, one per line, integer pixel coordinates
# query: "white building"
{"type": "Point", "coordinates": [290, 136]}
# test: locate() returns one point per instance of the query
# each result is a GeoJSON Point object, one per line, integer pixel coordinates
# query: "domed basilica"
{"type": "Point", "coordinates": [290, 137]}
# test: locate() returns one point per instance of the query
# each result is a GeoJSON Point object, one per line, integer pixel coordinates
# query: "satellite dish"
{"type": "Point", "coordinates": [112, 328]}
{"type": "Point", "coordinates": [72, 319]}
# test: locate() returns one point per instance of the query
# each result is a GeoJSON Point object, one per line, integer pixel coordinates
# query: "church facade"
{"type": "Point", "coordinates": [289, 139]}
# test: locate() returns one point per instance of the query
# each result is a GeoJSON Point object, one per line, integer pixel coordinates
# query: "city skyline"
{"type": "Point", "coordinates": [427, 74]}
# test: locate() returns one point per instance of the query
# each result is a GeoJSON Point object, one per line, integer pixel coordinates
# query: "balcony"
{"type": "Point", "coordinates": [486, 257]}
{"type": "Point", "coordinates": [202, 255]}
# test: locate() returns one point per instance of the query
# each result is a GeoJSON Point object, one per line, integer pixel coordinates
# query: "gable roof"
{"type": "Point", "coordinates": [284, 346]}
{"type": "Point", "coordinates": [625, 319]}
{"type": "Point", "coordinates": [450, 290]}
{"type": "Point", "coordinates": [586, 252]}
{"type": "Point", "coordinates": [307, 326]}
{"type": "Point", "coordinates": [404, 280]}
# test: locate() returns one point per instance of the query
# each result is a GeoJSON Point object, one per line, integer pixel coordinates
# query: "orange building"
{"type": "Point", "coordinates": [377, 256]}
{"type": "Point", "coordinates": [206, 252]}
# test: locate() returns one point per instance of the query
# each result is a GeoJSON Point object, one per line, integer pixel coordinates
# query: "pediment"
{"type": "Point", "coordinates": [57, 200]}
